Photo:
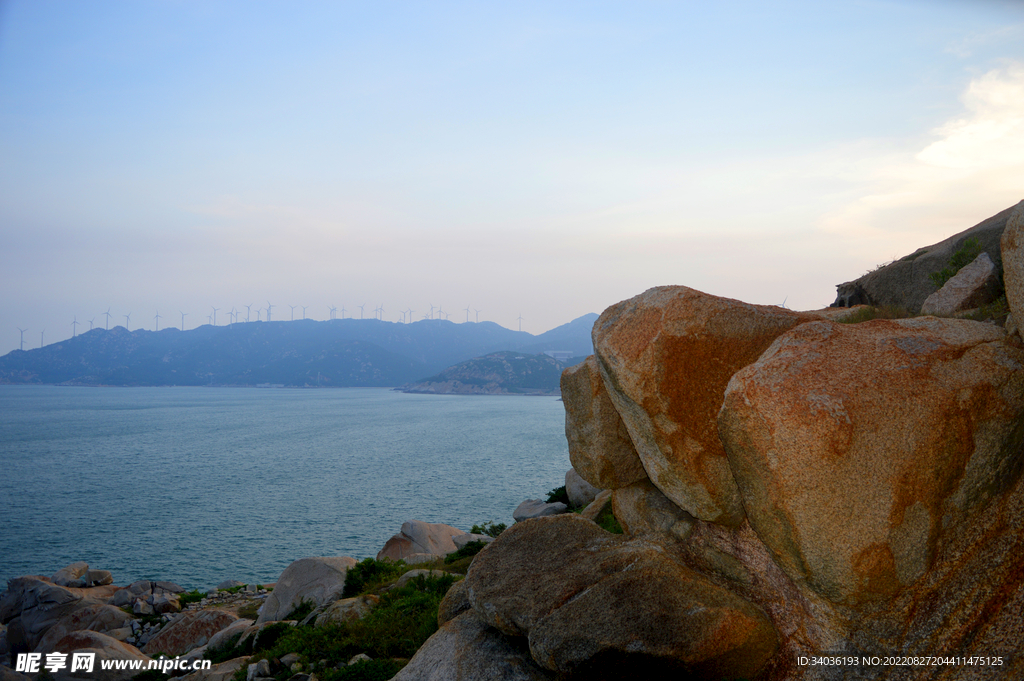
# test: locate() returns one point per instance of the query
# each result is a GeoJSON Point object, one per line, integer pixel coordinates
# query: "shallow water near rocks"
{"type": "Point", "coordinates": [199, 485]}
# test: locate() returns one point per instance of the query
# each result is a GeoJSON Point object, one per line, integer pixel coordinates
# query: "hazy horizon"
{"type": "Point", "coordinates": [542, 160]}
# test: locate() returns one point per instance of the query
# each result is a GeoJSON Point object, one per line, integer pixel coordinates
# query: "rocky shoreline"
{"type": "Point", "coordinates": [764, 494]}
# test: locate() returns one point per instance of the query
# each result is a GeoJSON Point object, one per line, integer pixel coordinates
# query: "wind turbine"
{"type": "Point", "coordinates": [381, 310]}
{"type": "Point", "coordinates": [477, 315]}
{"type": "Point", "coordinates": [42, 336]}
{"type": "Point", "coordinates": [22, 337]}
{"type": "Point", "coordinates": [74, 326]}
{"type": "Point", "coordinates": [293, 311]}
{"type": "Point", "coordinates": [258, 313]}
{"type": "Point", "coordinates": [361, 310]}
{"type": "Point", "coordinates": [127, 318]}
{"type": "Point", "coordinates": [467, 314]}
{"type": "Point", "coordinates": [215, 314]}
{"type": "Point", "coordinates": [334, 311]}
{"type": "Point", "coordinates": [157, 318]}
{"type": "Point", "coordinates": [342, 311]}
{"type": "Point", "coordinates": [441, 312]}
{"type": "Point", "coordinates": [410, 311]}
{"type": "Point", "coordinates": [183, 319]}
{"type": "Point", "coordinates": [106, 327]}
{"type": "Point", "coordinates": [248, 310]}
{"type": "Point", "coordinates": [431, 310]}
{"type": "Point", "coordinates": [303, 310]}
{"type": "Point", "coordinates": [269, 309]}
{"type": "Point", "coordinates": [209, 318]}
{"type": "Point", "coordinates": [520, 321]}
{"type": "Point", "coordinates": [90, 323]}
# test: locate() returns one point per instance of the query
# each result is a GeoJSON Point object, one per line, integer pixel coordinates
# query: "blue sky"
{"type": "Point", "coordinates": [545, 159]}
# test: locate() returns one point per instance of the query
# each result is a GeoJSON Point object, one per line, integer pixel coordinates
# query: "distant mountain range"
{"type": "Point", "coordinates": [339, 353]}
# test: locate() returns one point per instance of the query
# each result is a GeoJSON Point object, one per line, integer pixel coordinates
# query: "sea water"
{"type": "Point", "coordinates": [199, 485]}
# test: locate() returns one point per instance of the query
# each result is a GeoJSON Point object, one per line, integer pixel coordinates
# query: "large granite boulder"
{"type": "Point", "coordinates": [592, 603]}
{"type": "Point", "coordinates": [579, 491]}
{"type": "Point", "coordinates": [94, 617]}
{"type": "Point", "coordinates": [190, 629]}
{"type": "Point", "coordinates": [599, 446]}
{"type": "Point", "coordinates": [349, 609]}
{"type": "Point", "coordinates": [666, 357]}
{"type": "Point", "coordinates": [858, 448]}
{"type": "Point", "coordinates": [220, 638]}
{"type": "Point", "coordinates": [976, 284]}
{"type": "Point", "coordinates": [1012, 246]}
{"type": "Point", "coordinates": [75, 574]}
{"type": "Point", "coordinates": [417, 536]}
{"type": "Point", "coordinates": [31, 605]}
{"type": "Point", "coordinates": [465, 649]}
{"type": "Point", "coordinates": [535, 508]}
{"type": "Point", "coordinates": [105, 648]}
{"type": "Point", "coordinates": [642, 509]}
{"type": "Point", "coordinates": [320, 580]}
{"type": "Point", "coordinates": [906, 283]}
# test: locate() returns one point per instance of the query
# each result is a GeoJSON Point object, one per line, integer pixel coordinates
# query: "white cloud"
{"type": "Point", "coordinates": [973, 168]}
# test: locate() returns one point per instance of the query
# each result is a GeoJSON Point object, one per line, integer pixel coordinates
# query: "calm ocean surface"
{"type": "Point", "coordinates": [198, 485]}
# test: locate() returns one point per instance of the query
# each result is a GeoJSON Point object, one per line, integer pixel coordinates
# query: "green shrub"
{"type": "Point", "coordinates": [301, 610]}
{"type": "Point", "coordinates": [268, 636]}
{"type": "Point", "coordinates": [403, 619]}
{"type": "Point", "coordinates": [369, 574]}
{"type": "Point", "coordinates": [489, 528]}
{"type": "Point", "coordinates": [996, 311]}
{"type": "Point", "coordinates": [470, 549]}
{"type": "Point", "coordinates": [867, 313]}
{"type": "Point", "coordinates": [250, 610]}
{"type": "Point", "coordinates": [965, 255]}
{"type": "Point", "coordinates": [193, 596]}
{"type": "Point", "coordinates": [559, 494]}
{"type": "Point", "coordinates": [607, 521]}
{"type": "Point", "coordinates": [234, 589]}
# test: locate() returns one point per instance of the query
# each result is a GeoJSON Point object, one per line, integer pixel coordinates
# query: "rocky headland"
{"type": "Point", "coordinates": [834, 494]}
{"type": "Point", "coordinates": [499, 373]}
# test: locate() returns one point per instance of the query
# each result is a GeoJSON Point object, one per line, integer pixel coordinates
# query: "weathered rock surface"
{"type": "Point", "coordinates": [579, 491]}
{"type": "Point", "coordinates": [1012, 247]}
{"type": "Point", "coordinates": [320, 580]}
{"type": "Point", "coordinates": [596, 507]}
{"type": "Point", "coordinates": [599, 446]}
{"type": "Point", "coordinates": [858, 447]}
{"type": "Point", "coordinates": [94, 617]}
{"type": "Point", "coordinates": [454, 603]}
{"type": "Point", "coordinates": [461, 540]}
{"type": "Point", "coordinates": [666, 357]}
{"type": "Point", "coordinates": [189, 630]}
{"type": "Point", "coordinates": [905, 283]}
{"type": "Point", "coordinates": [105, 648]}
{"type": "Point", "coordinates": [73, 575]}
{"type": "Point", "coordinates": [976, 284]}
{"type": "Point", "coordinates": [465, 649]}
{"type": "Point", "coordinates": [535, 508]}
{"type": "Point", "coordinates": [589, 601]}
{"type": "Point", "coordinates": [642, 509]}
{"type": "Point", "coordinates": [347, 610]}
{"type": "Point", "coordinates": [31, 605]}
{"type": "Point", "coordinates": [221, 637]}
{"type": "Point", "coordinates": [417, 536]}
